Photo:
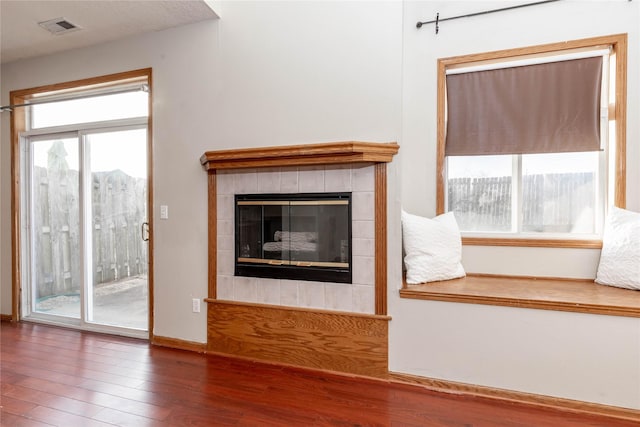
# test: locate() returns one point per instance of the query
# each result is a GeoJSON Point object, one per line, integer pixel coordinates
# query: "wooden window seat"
{"type": "Point", "coordinates": [583, 296]}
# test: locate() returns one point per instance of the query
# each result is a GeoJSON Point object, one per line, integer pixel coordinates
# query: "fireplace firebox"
{"type": "Point", "coordinates": [302, 236]}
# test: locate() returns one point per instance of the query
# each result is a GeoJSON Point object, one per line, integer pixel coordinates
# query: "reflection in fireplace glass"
{"type": "Point", "coordinates": [294, 236]}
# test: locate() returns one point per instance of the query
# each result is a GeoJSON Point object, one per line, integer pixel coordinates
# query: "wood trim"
{"type": "Point", "coordinates": [380, 173]}
{"type": "Point", "coordinates": [592, 42]}
{"type": "Point", "coordinates": [620, 49]}
{"type": "Point", "coordinates": [6, 318]}
{"type": "Point", "coordinates": [150, 213]}
{"type": "Point", "coordinates": [502, 395]}
{"type": "Point", "coordinates": [18, 124]}
{"type": "Point", "coordinates": [318, 339]}
{"type": "Point", "coordinates": [619, 43]}
{"type": "Point", "coordinates": [179, 344]}
{"type": "Point", "coordinates": [532, 243]}
{"type": "Point", "coordinates": [91, 82]}
{"type": "Point", "coordinates": [298, 309]}
{"type": "Point", "coordinates": [441, 137]}
{"type": "Point", "coordinates": [300, 155]}
{"type": "Point", "coordinates": [213, 234]}
{"type": "Point", "coordinates": [572, 295]}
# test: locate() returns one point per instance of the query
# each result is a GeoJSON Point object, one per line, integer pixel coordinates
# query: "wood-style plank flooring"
{"type": "Point", "coordinates": [53, 376]}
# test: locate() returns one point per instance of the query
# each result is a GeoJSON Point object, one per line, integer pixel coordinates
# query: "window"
{"type": "Point", "coordinates": [531, 142]}
{"type": "Point", "coordinates": [123, 102]}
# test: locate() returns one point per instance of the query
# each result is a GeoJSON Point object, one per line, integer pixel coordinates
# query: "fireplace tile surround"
{"type": "Point", "coordinates": [358, 297]}
{"type": "Point", "coordinates": [357, 167]}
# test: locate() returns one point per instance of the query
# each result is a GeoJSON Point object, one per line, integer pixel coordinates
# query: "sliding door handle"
{"type": "Point", "coordinates": [144, 230]}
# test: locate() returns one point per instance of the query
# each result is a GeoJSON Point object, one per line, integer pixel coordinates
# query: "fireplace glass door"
{"type": "Point", "coordinates": [294, 236]}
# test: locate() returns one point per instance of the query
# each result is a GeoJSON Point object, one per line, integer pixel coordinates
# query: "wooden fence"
{"type": "Point", "coordinates": [553, 202]}
{"type": "Point", "coordinates": [118, 208]}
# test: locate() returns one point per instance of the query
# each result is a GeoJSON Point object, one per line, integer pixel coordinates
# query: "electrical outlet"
{"type": "Point", "coordinates": [195, 305]}
{"type": "Point", "coordinates": [164, 212]}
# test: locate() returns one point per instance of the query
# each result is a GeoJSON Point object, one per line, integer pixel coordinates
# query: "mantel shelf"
{"type": "Point", "coordinates": [299, 155]}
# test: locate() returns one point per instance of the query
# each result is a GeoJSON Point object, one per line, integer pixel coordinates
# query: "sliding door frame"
{"type": "Point", "coordinates": [19, 119]}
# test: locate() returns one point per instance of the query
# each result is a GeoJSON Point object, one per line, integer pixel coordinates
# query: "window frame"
{"type": "Point", "coordinates": [618, 45]}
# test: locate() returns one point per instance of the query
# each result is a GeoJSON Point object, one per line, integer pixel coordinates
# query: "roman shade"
{"type": "Point", "coordinates": [552, 107]}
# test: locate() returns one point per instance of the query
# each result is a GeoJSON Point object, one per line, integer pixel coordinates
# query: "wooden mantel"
{"type": "Point", "coordinates": [300, 155]}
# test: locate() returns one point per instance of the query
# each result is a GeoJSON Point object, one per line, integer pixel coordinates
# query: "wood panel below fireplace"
{"type": "Point", "coordinates": [327, 340]}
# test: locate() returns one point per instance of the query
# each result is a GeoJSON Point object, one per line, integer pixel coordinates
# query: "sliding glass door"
{"type": "Point", "coordinates": [116, 200]}
{"type": "Point", "coordinates": [56, 274]}
{"type": "Point", "coordinates": [88, 247]}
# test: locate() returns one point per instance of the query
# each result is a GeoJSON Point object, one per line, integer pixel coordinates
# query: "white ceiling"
{"type": "Point", "coordinates": [101, 20]}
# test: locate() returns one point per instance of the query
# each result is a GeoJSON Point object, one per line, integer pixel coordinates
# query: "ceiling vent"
{"type": "Point", "coordinates": [59, 26]}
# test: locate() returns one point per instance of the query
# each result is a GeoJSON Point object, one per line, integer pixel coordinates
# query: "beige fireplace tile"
{"type": "Point", "coordinates": [359, 297]}
{"type": "Point", "coordinates": [363, 179]}
{"type": "Point", "coordinates": [225, 227]}
{"type": "Point", "coordinates": [363, 270]}
{"type": "Point", "coordinates": [363, 247]}
{"type": "Point", "coordinates": [363, 208]}
{"type": "Point", "coordinates": [289, 293]}
{"type": "Point", "coordinates": [311, 294]}
{"type": "Point", "coordinates": [224, 182]}
{"type": "Point", "coordinates": [245, 182]}
{"type": "Point", "coordinates": [289, 180]}
{"type": "Point", "coordinates": [226, 243]}
{"type": "Point", "coordinates": [225, 206]}
{"type": "Point", "coordinates": [268, 291]}
{"type": "Point", "coordinates": [269, 180]}
{"type": "Point", "coordinates": [245, 289]}
{"type": "Point", "coordinates": [363, 229]}
{"type": "Point", "coordinates": [338, 296]}
{"type": "Point", "coordinates": [311, 179]}
{"type": "Point", "coordinates": [337, 179]}
{"type": "Point", "coordinates": [224, 287]}
{"type": "Point", "coordinates": [364, 297]}
{"type": "Point", "coordinates": [225, 263]}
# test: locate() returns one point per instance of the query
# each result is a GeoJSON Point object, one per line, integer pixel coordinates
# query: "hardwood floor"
{"type": "Point", "coordinates": [54, 376]}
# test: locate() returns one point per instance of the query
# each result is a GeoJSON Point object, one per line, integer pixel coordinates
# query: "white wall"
{"type": "Point", "coordinates": [267, 73]}
{"type": "Point", "coordinates": [571, 355]}
{"type": "Point", "coordinates": [183, 61]}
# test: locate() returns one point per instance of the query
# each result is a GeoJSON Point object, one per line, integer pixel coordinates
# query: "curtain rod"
{"type": "Point", "coordinates": [137, 88]}
{"type": "Point", "coordinates": [486, 12]}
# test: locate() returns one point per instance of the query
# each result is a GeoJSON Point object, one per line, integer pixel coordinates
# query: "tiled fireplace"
{"type": "Point", "coordinates": [263, 259]}
{"type": "Point", "coordinates": [294, 197]}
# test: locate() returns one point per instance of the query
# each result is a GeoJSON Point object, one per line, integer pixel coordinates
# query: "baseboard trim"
{"type": "Point", "coordinates": [548, 402]}
{"type": "Point", "coordinates": [6, 318]}
{"type": "Point", "coordinates": [179, 344]}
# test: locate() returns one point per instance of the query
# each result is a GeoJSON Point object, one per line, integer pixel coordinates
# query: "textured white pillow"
{"type": "Point", "coordinates": [620, 257]}
{"type": "Point", "coordinates": [433, 248]}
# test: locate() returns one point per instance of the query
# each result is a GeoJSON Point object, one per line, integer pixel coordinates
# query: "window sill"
{"type": "Point", "coordinates": [533, 243]}
{"type": "Point", "coordinates": [582, 296]}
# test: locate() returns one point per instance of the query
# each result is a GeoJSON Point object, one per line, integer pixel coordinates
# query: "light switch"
{"type": "Point", "coordinates": [164, 212]}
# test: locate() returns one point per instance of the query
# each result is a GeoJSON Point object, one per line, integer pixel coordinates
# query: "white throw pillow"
{"type": "Point", "coordinates": [620, 257]}
{"type": "Point", "coordinates": [433, 248]}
